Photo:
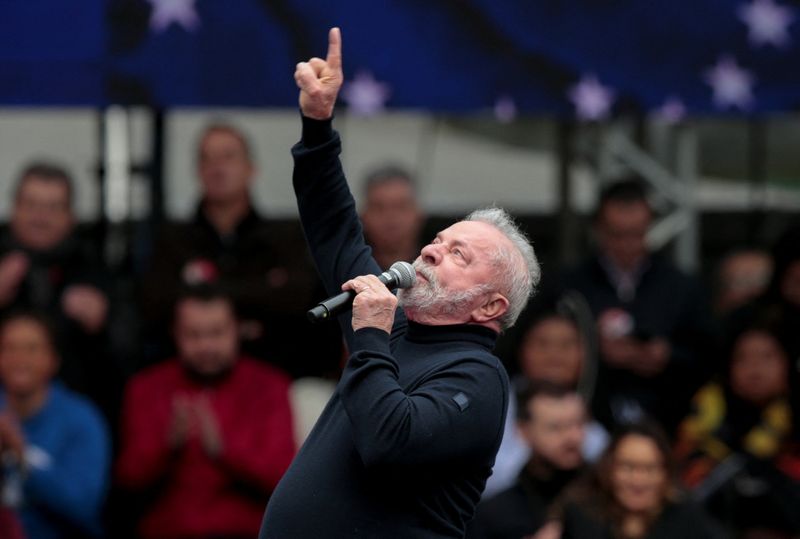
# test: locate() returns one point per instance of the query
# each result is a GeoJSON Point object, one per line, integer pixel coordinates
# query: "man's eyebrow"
{"type": "Point", "coordinates": [455, 242]}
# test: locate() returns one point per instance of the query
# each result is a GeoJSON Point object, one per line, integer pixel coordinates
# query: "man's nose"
{"type": "Point", "coordinates": [431, 253]}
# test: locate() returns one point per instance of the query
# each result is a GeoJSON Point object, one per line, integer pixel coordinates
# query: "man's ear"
{"type": "Point", "coordinates": [493, 308]}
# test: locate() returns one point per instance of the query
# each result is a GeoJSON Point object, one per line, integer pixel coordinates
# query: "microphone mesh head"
{"type": "Point", "coordinates": [406, 276]}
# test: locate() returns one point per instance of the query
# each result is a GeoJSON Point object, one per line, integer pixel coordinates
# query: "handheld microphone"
{"type": "Point", "coordinates": [400, 275]}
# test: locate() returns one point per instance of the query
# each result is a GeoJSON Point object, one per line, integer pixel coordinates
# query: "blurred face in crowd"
{"type": "Point", "coordinates": [790, 284]}
{"type": "Point", "coordinates": [224, 167]}
{"type": "Point", "coordinates": [621, 230]}
{"type": "Point", "coordinates": [27, 358]}
{"type": "Point", "coordinates": [759, 368]}
{"type": "Point", "coordinates": [391, 215]}
{"type": "Point", "coordinates": [638, 474]}
{"type": "Point", "coordinates": [42, 217]}
{"type": "Point", "coordinates": [552, 350]}
{"type": "Point", "coordinates": [555, 429]}
{"type": "Point", "coordinates": [206, 335]}
{"type": "Point", "coordinates": [457, 275]}
{"type": "Point", "coordinates": [742, 277]}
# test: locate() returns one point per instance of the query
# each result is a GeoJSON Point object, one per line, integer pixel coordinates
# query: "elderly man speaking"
{"type": "Point", "coordinates": [405, 445]}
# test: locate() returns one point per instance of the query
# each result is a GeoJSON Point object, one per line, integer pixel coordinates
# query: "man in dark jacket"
{"type": "Point", "coordinates": [260, 263]}
{"type": "Point", "coordinates": [552, 420]}
{"type": "Point", "coordinates": [45, 266]}
{"type": "Point", "coordinates": [406, 443]}
{"type": "Point", "coordinates": [654, 326]}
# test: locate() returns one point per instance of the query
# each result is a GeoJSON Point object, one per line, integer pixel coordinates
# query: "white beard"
{"type": "Point", "coordinates": [432, 299]}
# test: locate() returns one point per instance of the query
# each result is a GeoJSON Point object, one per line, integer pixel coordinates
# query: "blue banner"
{"type": "Point", "coordinates": [590, 58]}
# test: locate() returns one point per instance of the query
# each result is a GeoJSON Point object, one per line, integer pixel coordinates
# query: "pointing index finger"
{"type": "Point", "coordinates": [334, 57]}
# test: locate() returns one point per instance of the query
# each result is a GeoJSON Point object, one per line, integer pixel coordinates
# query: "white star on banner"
{"type": "Point", "coordinates": [592, 100]}
{"type": "Point", "coordinates": [166, 12]}
{"type": "Point", "coordinates": [732, 85]}
{"type": "Point", "coordinates": [671, 111]}
{"type": "Point", "coordinates": [505, 110]}
{"type": "Point", "coordinates": [767, 22]}
{"type": "Point", "coordinates": [365, 96]}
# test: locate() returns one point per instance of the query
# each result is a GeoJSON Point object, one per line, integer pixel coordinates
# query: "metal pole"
{"type": "Point", "coordinates": [757, 176]}
{"type": "Point", "coordinates": [687, 244]}
{"type": "Point", "coordinates": [156, 172]}
{"type": "Point", "coordinates": [567, 221]}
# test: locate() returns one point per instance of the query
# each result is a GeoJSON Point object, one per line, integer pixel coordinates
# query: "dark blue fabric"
{"type": "Point", "coordinates": [446, 55]}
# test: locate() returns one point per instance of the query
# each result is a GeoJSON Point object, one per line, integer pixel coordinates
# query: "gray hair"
{"type": "Point", "coordinates": [518, 271]}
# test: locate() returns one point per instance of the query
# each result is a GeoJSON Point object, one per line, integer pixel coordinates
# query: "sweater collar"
{"type": "Point", "coordinates": [480, 335]}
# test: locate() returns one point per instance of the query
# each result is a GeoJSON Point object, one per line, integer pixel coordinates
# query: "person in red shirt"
{"type": "Point", "coordinates": [209, 432]}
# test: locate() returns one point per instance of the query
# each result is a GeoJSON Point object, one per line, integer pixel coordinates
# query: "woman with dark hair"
{"type": "Point", "coordinates": [746, 411]}
{"type": "Point", "coordinates": [733, 448]}
{"type": "Point", "coordinates": [779, 306]}
{"type": "Point", "coordinates": [633, 493]}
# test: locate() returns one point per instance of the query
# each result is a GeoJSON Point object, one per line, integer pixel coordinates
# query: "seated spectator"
{"type": "Point", "coordinates": [392, 218]}
{"type": "Point", "coordinates": [780, 305]}
{"type": "Point", "coordinates": [56, 448]}
{"type": "Point", "coordinates": [732, 445]}
{"type": "Point", "coordinates": [633, 494]}
{"type": "Point", "coordinates": [551, 419]}
{"type": "Point", "coordinates": [46, 267]}
{"type": "Point", "coordinates": [261, 264]}
{"type": "Point", "coordinates": [655, 330]}
{"type": "Point", "coordinates": [551, 350]}
{"type": "Point", "coordinates": [205, 436]}
{"type": "Point", "coordinates": [747, 411]}
{"type": "Point", "coordinates": [742, 276]}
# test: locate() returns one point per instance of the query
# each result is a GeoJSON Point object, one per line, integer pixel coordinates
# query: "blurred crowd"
{"type": "Point", "coordinates": [648, 404]}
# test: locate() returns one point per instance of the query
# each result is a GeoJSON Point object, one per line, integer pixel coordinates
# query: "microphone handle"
{"type": "Point", "coordinates": [340, 302]}
{"type": "Point", "coordinates": [331, 306]}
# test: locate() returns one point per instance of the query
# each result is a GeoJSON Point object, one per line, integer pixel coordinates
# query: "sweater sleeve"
{"type": "Point", "coordinates": [144, 453]}
{"type": "Point", "coordinates": [260, 455]}
{"type": "Point", "coordinates": [73, 484]}
{"type": "Point", "coordinates": [442, 419]}
{"type": "Point", "coordinates": [328, 213]}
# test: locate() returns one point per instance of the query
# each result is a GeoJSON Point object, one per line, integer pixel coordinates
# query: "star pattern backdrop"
{"type": "Point", "coordinates": [588, 58]}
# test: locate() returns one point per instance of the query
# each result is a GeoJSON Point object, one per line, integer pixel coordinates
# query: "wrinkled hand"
{"type": "Point", "coordinates": [11, 438]}
{"type": "Point", "coordinates": [13, 268]}
{"type": "Point", "coordinates": [320, 80]}
{"type": "Point", "coordinates": [374, 304]}
{"type": "Point", "coordinates": [86, 305]}
{"type": "Point", "coordinates": [210, 435]}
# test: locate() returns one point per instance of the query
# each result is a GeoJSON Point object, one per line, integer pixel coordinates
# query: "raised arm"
{"type": "Point", "coordinates": [326, 205]}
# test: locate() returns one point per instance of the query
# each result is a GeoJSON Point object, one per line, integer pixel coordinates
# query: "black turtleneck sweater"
{"type": "Point", "coordinates": [405, 445]}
